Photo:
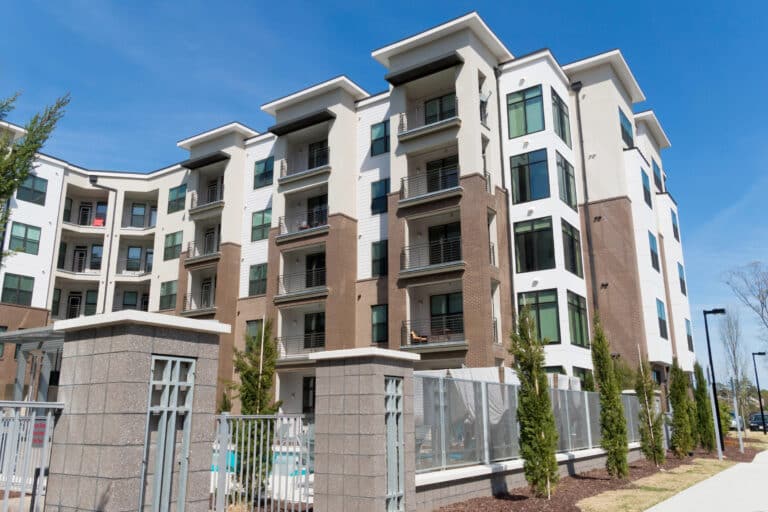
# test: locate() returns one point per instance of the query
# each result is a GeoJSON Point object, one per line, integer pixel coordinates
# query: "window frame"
{"type": "Point", "coordinates": [675, 225]}
{"type": "Point", "coordinates": [55, 301]}
{"type": "Point", "coordinates": [95, 260]}
{"type": "Point", "coordinates": [261, 231]}
{"type": "Point", "coordinates": [689, 334]}
{"type": "Point", "coordinates": [523, 169]}
{"type": "Point", "coordinates": [647, 194]}
{"type": "Point", "coordinates": [28, 190]}
{"type": "Point", "coordinates": [165, 302]}
{"type": "Point", "coordinates": [249, 324]}
{"type": "Point", "coordinates": [374, 324]}
{"type": "Point", "coordinates": [379, 200]}
{"type": "Point", "coordinates": [561, 118]}
{"type": "Point", "coordinates": [266, 177]}
{"type": "Point", "coordinates": [442, 110]}
{"type": "Point", "coordinates": [577, 306]}
{"type": "Point", "coordinates": [572, 239]}
{"type": "Point", "coordinates": [661, 314]}
{"type": "Point", "coordinates": [681, 277]}
{"type": "Point", "coordinates": [24, 243]}
{"type": "Point", "coordinates": [519, 245]}
{"type": "Point", "coordinates": [627, 130]}
{"type": "Point", "coordinates": [566, 181]}
{"type": "Point", "coordinates": [177, 198]}
{"type": "Point", "coordinates": [380, 265]}
{"type": "Point", "coordinates": [384, 138]}
{"type": "Point", "coordinates": [171, 252]}
{"type": "Point", "coordinates": [128, 305]}
{"type": "Point", "coordinates": [535, 307]}
{"type": "Point", "coordinates": [653, 245]}
{"type": "Point", "coordinates": [524, 101]}
{"type": "Point", "coordinates": [17, 291]}
{"type": "Point", "coordinates": [90, 302]}
{"type": "Point", "coordinates": [258, 285]}
{"type": "Point", "coordinates": [658, 180]}
{"type": "Point", "coordinates": [135, 216]}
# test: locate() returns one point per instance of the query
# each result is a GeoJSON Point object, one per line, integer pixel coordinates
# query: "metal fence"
{"type": "Point", "coordinates": [25, 449]}
{"type": "Point", "coordinates": [268, 463]}
{"type": "Point", "coordinates": [461, 422]}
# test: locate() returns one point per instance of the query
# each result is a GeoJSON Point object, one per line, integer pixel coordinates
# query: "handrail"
{"type": "Point", "coordinates": [436, 252]}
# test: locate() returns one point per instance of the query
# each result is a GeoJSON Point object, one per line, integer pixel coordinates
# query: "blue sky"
{"type": "Point", "coordinates": [144, 75]}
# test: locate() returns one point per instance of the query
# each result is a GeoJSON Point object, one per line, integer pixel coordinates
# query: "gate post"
{"type": "Point", "coordinates": [221, 462]}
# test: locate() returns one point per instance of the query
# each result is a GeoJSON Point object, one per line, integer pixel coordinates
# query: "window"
{"type": "Point", "coordinates": [379, 258]}
{"type": "Point", "coordinates": [18, 289]}
{"type": "Point", "coordinates": [138, 215]}
{"type": "Point", "coordinates": [379, 191]}
{"type": "Point", "coordinates": [96, 252]}
{"type": "Point", "coordinates": [560, 118]}
{"type": "Point", "coordinates": [543, 308]}
{"type": "Point", "coordinates": [525, 112]}
{"type": "Point", "coordinates": [62, 255]}
{"type": "Point", "coordinates": [133, 260]}
{"type": "Point", "coordinates": [100, 216]}
{"type": "Point", "coordinates": [33, 190]}
{"type": "Point", "coordinates": [253, 329]}
{"type": "Point", "coordinates": [91, 299]}
{"type": "Point", "coordinates": [379, 323]}
{"type": "Point", "coordinates": [177, 197]}
{"type": "Point", "coordinates": [654, 250]}
{"type": "Point", "coordinates": [572, 249]}
{"type": "Point", "coordinates": [446, 314]}
{"type": "Point", "coordinates": [24, 238]}
{"type": "Point", "coordinates": [172, 245]}
{"type": "Point", "coordinates": [3, 328]}
{"type": "Point", "coordinates": [584, 375]}
{"type": "Point", "coordinates": [662, 314]}
{"type": "Point", "coordinates": [168, 294]}
{"type": "Point", "coordinates": [67, 217]}
{"type": "Point", "coordinates": [308, 395]}
{"type": "Point", "coordinates": [318, 154]}
{"type": "Point", "coordinates": [657, 176]}
{"type": "Point", "coordinates": [260, 224]}
{"type": "Point", "coordinates": [263, 172]}
{"type": "Point", "coordinates": [627, 133]}
{"type": "Point", "coordinates": [555, 369]}
{"type": "Point", "coordinates": [257, 279]}
{"type": "Point", "coordinates": [675, 226]}
{"type": "Point", "coordinates": [438, 109]}
{"type": "Point", "coordinates": [130, 300]}
{"type": "Point", "coordinates": [567, 181]}
{"type": "Point", "coordinates": [534, 245]}
{"type": "Point", "coordinates": [56, 301]}
{"type": "Point", "coordinates": [646, 188]}
{"type": "Point", "coordinates": [681, 275]}
{"type": "Point", "coordinates": [530, 177]}
{"type": "Point", "coordinates": [577, 320]}
{"type": "Point", "coordinates": [689, 334]}
{"type": "Point", "coordinates": [380, 138]}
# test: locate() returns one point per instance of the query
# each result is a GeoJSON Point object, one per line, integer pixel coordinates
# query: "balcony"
{"type": "Point", "coordinates": [91, 222]}
{"type": "Point", "coordinates": [301, 285]}
{"type": "Point", "coordinates": [134, 268]}
{"type": "Point", "coordinates": [429, 186]}
{"type": "Point", "coordinates": [296, 168]}
{"type": "Point", "coordinates": [203, 251]}
{"type": "Point", "coordinates": [198, 304]}
{"type": "Point", "coordinates": [305, 223]}
{"type": "Point", "coordinates": [80, 267]}
{"type": "Point", "coordinates": [302, 344]}
{"type": "Point", "coordinates": [427, 117]}
{"type": "Point", "coordinates": [436, 332]}
{"type": "Point", "coordinates": [139, 213]}
{"type": "Point", "coordinates": [208, 202]}
{"type": "Point", "coordinates": [432, 257]}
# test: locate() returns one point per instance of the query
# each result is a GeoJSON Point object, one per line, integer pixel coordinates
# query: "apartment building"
{"type": "Point", "coordinates": [420, 218]}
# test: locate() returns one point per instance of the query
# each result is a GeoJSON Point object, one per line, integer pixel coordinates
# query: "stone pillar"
{"type": "Point", "coordinates": [98, 442]}
{"type": "Point", "coordinates": [350, 430]}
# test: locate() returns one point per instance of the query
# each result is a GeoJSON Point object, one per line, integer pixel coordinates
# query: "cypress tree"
{"type": "Point", "coordinates": [613, 425]}
{"type": "Point", "coordinates": [649, 419]}
{"type": "Point", "coordinates": [705, 424]}
{"type": "Point", "coordinates": [538, 433]}
{"type": "Point", "coordinates": [255, 387]}
{"type": "Point", "coordinates": [681, 441]}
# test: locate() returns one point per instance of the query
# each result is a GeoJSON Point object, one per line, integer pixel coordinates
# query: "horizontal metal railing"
{"type": "Point", "coordinates": [429, 182]}
{"type": "Point", "coordinates": [80, 265]}
{"type": "Point", "coordinates": [437, 329]}
{"type": "Point", "coordinates": [202, 248]}
{"type": "Point", "coordinates": [315, 159]}
{"type": "Point", "coordinates": [416, 117]}
{"type": "Point", "coordinates": [301, 344]}
{"type": "Point", "coordinates": [495, 330]}
{"type": "Point", "coordinates": [430, 253]}
{"type": "Point", "coordinates": [207, 196]}
{"type": "Point", "coordinates": [300, 281]}
{"type": "Point", "coordinates": [197, 301]}
{"type": "Point", "coordinates": [133, 267]}
{"type": "Point", "coordinates": [93, 220]}
{"type": "Point", "coordinates": [301, 221]}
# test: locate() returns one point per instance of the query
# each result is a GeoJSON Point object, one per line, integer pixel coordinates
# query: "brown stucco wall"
{"type": "Point", "coordinates": [14, 318]}
{"type": "Point", "coordinates": [370, 292]}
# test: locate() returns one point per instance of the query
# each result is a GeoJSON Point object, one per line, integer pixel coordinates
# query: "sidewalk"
{"type": "Point", "coordinates": [739, 488]}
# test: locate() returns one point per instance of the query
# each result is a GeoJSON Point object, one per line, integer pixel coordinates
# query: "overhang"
{"type": "Point", "coordinates": [421, 70]}
{"type": "Point", "coordinates": [648, 117]}
{"type": "Point", "coordinates": [340, 82]}
{"type": "Point", "coordinates": [615, 59]}
{"type": "Point", "coordinates": [141, 318]}
{"type": "Point", "coordinates": [202, 161]}
{"type": "Point", "coordinates": [234, 127]}
{"type": "Point", "coordinates": [302, 122]}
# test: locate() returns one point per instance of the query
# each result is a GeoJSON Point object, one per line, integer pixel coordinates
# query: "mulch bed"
{"type": "Point", "coordinates": [573, 489]}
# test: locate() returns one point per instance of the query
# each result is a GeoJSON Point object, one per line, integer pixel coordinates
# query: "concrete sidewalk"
{"type": "Point", "coordinates": [741, 488]}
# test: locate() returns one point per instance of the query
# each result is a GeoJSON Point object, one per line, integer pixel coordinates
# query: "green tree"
{"type": "Point", "coordinates": [254, 389]}
{"type": "Point", "coordinates": [649, 418]}
{"type": "Point", "coordinates": [17, 154]}
{"type": "Point", "coordinates": [589, 382]}
{"type": "Point", "coordinates": [682, 441]}
{"type": "Point", "coordinates": [725, 417]}
{"type": "Point", "coordinates": [613, 425]}
{"type": "Point", "coordinates": [538, 433]}
{"type": "Point", "coordinates": [624, 374]}
{"type": "Point", "coordinates": [706, 426]}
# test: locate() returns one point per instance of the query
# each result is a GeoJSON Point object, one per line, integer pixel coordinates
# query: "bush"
{"type": "Point", "coordinates": [650, 420]}
{"type": "Point", "coordinates": [682, 441]}
{"type": "Point", "coordinates": [706, 425]}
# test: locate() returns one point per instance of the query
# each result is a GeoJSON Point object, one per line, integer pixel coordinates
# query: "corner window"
{"type": "Point", "coordinates": [627, 132]}
{"type": "Point", "coordinates": [24, 238]}
{"type": "Point", "coordinates": [379, 258]}
{"type": "Point", "coordinates": [560, 118]}
{"type": "Point", "coordinates": [646, 188]}
{"type": "Point", "coordinates": [17, 289]}
{"type": "Point", "coordinates": [439, 109]}
{"type": "Point", "coordinates": [577, 320]}
{"type": "Point", "coordinates": [133, 259]}
{"type": "Point", "coordinates": [543, 308]}
{"type": "Point", "coordinates": [168, 294]}
{"type": "Point", "coordinates": [662, 314]}
{"type": "Point", "coordinates": [379, 191]}
{"type": "Point", "coordinates": [380, 138]}
{"type": "Point", "coordinates": [681, 275]}
{"type": "Point", "coordinates": [534, 245]}
{"type": "Point", "coordinates": [567, 181]}
{"type": "Point", "coordinates": [657, 180]}
{"type": "Point", "coordinates": [177, 197]}
{"type": "Point", "coordinates": [379, 324]}
{"type": "Point", "coordinates": [172, 248]}
{"type": "Point", "coordinates": [525, 112]}
{"type": "Point", "coordinates": [572, 249]}
{"type": "Point", "coordinates": [263, 172]}
{"type": "Point", "coordinates": [654, 250]}
{"type": "Point", "coordinates": [675, 226]}
{"type": "Point", "coordinates": [260, 224]}
{"type": "Point", "coordinates": [689, 334]}
{"type": "Point", "coordinates": [530, 177]}
{"type": "Point", "coordinates": [257, 279]}
{"type": "Point", "coordinates": [33, 190]}
{"type": "Point", "coordinates": [138, 215]}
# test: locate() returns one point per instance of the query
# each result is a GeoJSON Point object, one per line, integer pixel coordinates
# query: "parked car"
{"type": "Point", "coordinates": [733, 422]}
{"type": "Point", "coordinates": [756, 421]}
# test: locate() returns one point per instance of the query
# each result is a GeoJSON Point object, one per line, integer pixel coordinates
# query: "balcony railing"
{"type": "Point", "coordinates": [488, 182]}
{"type": "Point", "coordinates": [302, 344]}
{"type": "Point", "coordinates": [437, 329]}
{"type": "Point", "coordinates": [207, 196]}
{"type": "Point", "coordinates": [79, 266]}
{"type": "Point", "coordinates": [316, 158]}
{"type": "Point", "coordinates": [124, 307]}
{"type": "Point", "coordinates": [202, 248]}
{"type": "Point", "coordinates": [133, 267]}
{"type": "Point", "coordinates": [416, 117]}
{"type": "Point", "coordinates": [438, 252]}
{"type": "Point", "coordinates": [93, 220]}
{"type": "Point", "coordinates": [198, 301]}
{"type": "Point", "coordinates": [315, 218]}
{"type": "Point", "coordinates": [300, 281]}
{"type": "Point", "coordinates": [429, 182]}
{"type": "Point", "coordinates": [495, 330]}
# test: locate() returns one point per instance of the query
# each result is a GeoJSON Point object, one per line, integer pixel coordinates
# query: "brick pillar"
{"type": "Point", "coordinates": [350, 430]}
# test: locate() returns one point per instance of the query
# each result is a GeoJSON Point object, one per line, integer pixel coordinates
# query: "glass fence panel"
{"type": "Point", "coordinates": [577, 420]}
{"type": "Point", "coordinates": [594, 418]}
{"type": "Point", "coordinates": [427, 422]}
{"type": "Point", "coordinates": [463, 422]}
{"type": "Point", "coordinates": [502, 422]}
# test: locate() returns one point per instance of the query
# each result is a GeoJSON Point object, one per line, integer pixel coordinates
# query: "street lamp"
{"type": "Point", "coordinates": [759, 396]}
{"type": "Point", "coordinates": [716, 311]}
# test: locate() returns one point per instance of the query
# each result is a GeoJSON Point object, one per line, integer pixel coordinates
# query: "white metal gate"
{"type": "Point", "coordinates": [26, 429]}
{"type": "Point", "coordinates": [263, 462]}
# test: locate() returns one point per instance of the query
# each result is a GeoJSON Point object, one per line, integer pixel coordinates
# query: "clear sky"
{"type": "Point", "coordinates": [144, 75]}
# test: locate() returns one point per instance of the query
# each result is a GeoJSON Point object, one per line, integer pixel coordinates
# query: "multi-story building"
{"type": "Point", "coordinates": [420, 219]}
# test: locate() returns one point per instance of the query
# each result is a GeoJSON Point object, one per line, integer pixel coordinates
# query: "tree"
{"type": "Point", "coordinates": [682, 441]}
{"type": "Point", "coordinates": [538, 433]}
{"type": "Point", "coordinates": [589, 382]}
{"type": "Point", "coordinates": [625, 375]}
{"type": "Point", "coordinates": [613, 425]}
{"type": "Point", "coordinates": [750, 285]}
{"type": "Point", "coordinates": [735, 355]}
{"type": "Point", "coordinates": [225, 404]}
{"type": "Point", "coordinates": [725, 417]}
{"type": "Point", "coordinates": [651, 441]}
{"type": "Point", "coordinates": [254, 388]}
{"type": "Point", "coordinates": [706, 425]}
{"type": "Point", "coordinates": [17, 154]}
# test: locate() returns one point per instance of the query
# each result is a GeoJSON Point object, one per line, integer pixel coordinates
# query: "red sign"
{"type": "Point", "coordinates": [38, 433]}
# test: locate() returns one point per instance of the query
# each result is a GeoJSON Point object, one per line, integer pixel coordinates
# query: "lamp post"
{"type": "Point", "coordinates": [759, 396]}
{"type": "Point", "coordinates": [716, 311]}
